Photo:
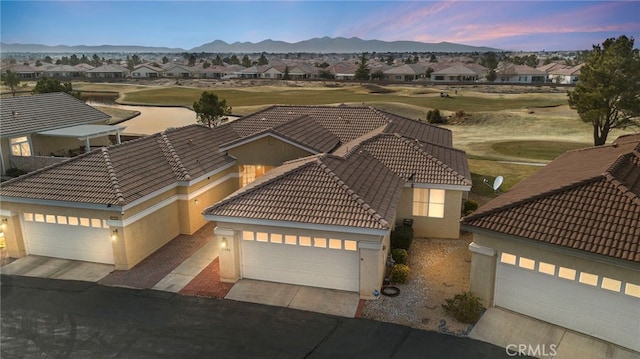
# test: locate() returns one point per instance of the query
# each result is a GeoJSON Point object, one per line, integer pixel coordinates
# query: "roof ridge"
{"type": "Point", "coordinates": [164, 139]}
{"type": "Point", "coordinates": [351, 193]}
{"type": "Point", "coordinates": [115, 184]}
{"type": "Point", "coordinates": [622, 187]}
{"type": "Point", "coordinates": [431, 157]}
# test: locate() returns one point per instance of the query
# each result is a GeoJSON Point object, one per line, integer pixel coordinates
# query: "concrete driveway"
{"type": "Point", "coordinates": [540, 339]}
{"type": "Point", "coordinates": [319, 300]}
{"type": "Point", "coordinates": [56, 268]}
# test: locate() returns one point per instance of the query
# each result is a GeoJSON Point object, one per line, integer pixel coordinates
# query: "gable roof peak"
{"type": "Point", "coordinates": [112, 176]}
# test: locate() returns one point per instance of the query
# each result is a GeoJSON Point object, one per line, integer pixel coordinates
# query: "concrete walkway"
{"type": "Point", "coordinates": [540, 339]}
{"type": "Point", "coordinates": [189, 269]}
{"type": "Point", "coordinates": [57, 268]}
{"type": "Point", "coordinates": [319, 300]}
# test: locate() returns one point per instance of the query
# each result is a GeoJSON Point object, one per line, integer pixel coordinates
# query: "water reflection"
{"type": "Point", "coordinates": [152, 119]}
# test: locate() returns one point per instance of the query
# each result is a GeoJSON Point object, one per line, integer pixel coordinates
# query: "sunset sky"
{"type": "Point", "coordinates": [508, 25]}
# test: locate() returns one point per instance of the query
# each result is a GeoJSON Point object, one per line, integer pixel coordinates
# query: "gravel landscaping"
{"type": "Point", "coordinates": [439, 270]}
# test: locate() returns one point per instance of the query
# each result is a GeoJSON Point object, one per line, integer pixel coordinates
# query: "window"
{"type": "Point", "coordinates": [335, 244]}
{"type": "Point", "coordinates": [20, 146]}
{"type": "Point", "coordinates": [526, 263]}
{"type": "Point", "coordinates": [567, 273]}
{"type": "Point", "coordinates": [350, 245]}
{"type": "Point", "coordinates": [320, 242]}
{"type": "Point", "coordinates": [247, 235]}
{"type": "Point", "coordinates": [428, 202]}
{"type": "Point", "coordinates": [39, 217]}
{"type": "Point", "coordinates": [96, 223]}
{"type": "Point", "coordinates": [62, 219]}
{"type": "Point", "coordinates": [305, 241]}
{"type": "Point", "coordinates": [73, 221]}
{"type": "Point", "coordinates": [84, 222]}
{"type": "Point", "coordinates": [588, 278]}
{"type": "Point", "coordinates": [50, 218]}
{"type": "Point", "coordinates": [290, 239]}
{"type": "Point", "coordinates": [547, 268]}
{"type": "Point", "coordinates": [28, 217]}
{"type": "Point", "coordinates": [508, 258]}
{"type": "Point", "coordinates": [632, 290]}
{"type": "Point", "coordinates": [276, 238]}
{"type": "Point", "coordinates": [611, 284]}
{"type": "Point", "coordinates": [251, 172]}
{"type": "Point", "coordinates": [262, 237]}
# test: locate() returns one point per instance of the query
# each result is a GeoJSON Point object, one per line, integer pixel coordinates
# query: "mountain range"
{"type": "Point", "coordinates": [315, 45]}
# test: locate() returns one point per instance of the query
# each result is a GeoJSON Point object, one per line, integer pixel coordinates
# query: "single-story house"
{"type": "Point", "coordinates": [146, 71]}
{"type": "Point", "coordinates": [179, 71]}
{"type": "Point", "coordinates": [109, 71]}
{"type": "Point", "coordinates": [508, 72]}
{"type": "Point", "coordinates": [26, 72]}
{"type": "Point", "coordinates": [42, 129]}
{"type": "Point", "coordinates": [457, 73]}
{"type": "Point", "coordinates": [563, 245]}
{"type": "Point", "coordinates": [406, 72]}
{"type": "Point", "coordinates": [374, 168]}
{"type": "Point", "coordinates": [64, 71]}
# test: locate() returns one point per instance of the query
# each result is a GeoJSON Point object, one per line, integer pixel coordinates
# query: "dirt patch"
{"type": "Point", "coordinates": [439, 270]}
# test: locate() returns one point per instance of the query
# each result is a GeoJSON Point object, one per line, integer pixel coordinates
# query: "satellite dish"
{"type": "Point", "coordinates": [497, 182]}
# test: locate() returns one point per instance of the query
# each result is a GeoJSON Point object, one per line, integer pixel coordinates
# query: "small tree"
{"type": "Point", "coordinates": [606, 94]}
{"type": "Point", "coordinates": [47, 85]}
{"type": "Point", "coordinates": [210, 110]}
{"type": "Point", "coordinates": [362, 73]}
{"type": "Point", "coordinates": [11, 80]}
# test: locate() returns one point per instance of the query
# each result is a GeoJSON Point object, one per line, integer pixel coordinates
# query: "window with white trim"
{"type": "Point", "coordinates": [526, 263]}
{"type": "Point", "coordinates": [247, 235]}
{"type": "Point", "coordinates": [276, 238]}
{"type": "Point", "coordinates": [632, 290]}
{"type": "Point", "coordinates": [335, 243]}
{"type": "Point", "coordinates": [611, 284]}
{"type": "Point", "coordinates": [428, 202]}
{"type": "Point", "coordinates": [508, 258]}
{"type": "Point", "coordinates": [262, 237]}
{"type": "Point", "coordinates": [547, 268]}
{"type": "Point", "coordinates": [290, 239]}
{"type": "Point", "coordinates": [350, 245]}
{"type": "Point", "coordinates": [588, 278]}
{"type": "Point", "coordinates": [20, 146]}
{"type": "Point", "coordinates": [305, 241]}
{"type": "Point", "coordinates": [320, 242]}
{"type": "Point", "coordinates": [567, 273]}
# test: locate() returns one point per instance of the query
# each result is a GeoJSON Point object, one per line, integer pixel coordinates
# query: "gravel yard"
{"type": "Point", "coordinates": [439, 270]}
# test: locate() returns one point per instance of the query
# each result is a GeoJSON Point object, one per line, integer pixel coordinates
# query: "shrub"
{"type": "Point", "coordinates": [465, 307]}
{"type": "Point", "coordinates": [400, 255]}
{"type": "Point", "coordinates": [400, 273]}
{"type": "Point", "coordinates": [470, 206]}
{"type": "Point", "coordinates": [433, 116]}
{"type": "Point", "coordinates": [15, 172]}
{"type": "Point", "coordinates": [401, 237]}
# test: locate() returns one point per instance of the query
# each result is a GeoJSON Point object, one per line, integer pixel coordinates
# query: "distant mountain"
{"type": "Point", "coordinates": [336, 45]}
{"type": "Point", "coordinates": [84, 49]}
{"type": "Point", "coordinates": [315, 45]}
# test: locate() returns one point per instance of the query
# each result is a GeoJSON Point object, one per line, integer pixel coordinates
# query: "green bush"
{"type": "Point", "coordinates": [465, 307]}
{"type": "Point", "coordinates": [470, 206]}
{"type": "Point", "coordinates": [401, 237]}
{"type": "Point", "coordinates": [433, 116]}
{"type": "Point", "coordinates": [399, 255]}
{"type": "Point", "coordinates": [400, 273]}
{"type": "Point", "coordinates": [15, 172]}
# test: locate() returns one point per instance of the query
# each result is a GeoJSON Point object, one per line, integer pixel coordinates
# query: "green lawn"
{"type": "Point", "coordinates": [536, 150]}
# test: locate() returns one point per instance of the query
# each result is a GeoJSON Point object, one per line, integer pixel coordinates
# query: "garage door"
{"type": "Point", "coordinates": [585, 302]}
{"type": "Point", "coordinates": [78, 238]}
{"type": "Point", "coordinates": [317, 262]}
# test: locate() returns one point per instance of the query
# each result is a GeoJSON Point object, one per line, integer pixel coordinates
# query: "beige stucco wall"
{"type": "Point", "coordinates": [6, 151]}
{"type": "Point", "coordinates": [446, 227]}
{"type": "Point", "coordinates": [483, 267]}
{"type": "Point", "coordinates": [13, 237]}
{"type": "Point", "coordinates": [372, 250]}
{"type": "Point", "coordinates": [266, 151]}
{"type": "Point", "coordinates": [60, 146]}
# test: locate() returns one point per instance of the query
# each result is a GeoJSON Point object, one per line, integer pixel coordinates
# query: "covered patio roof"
{"type": "Point", "coordinates": [86, 132]}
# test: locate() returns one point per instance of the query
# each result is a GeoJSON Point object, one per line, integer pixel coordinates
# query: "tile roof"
{"type": "Point", "coordinates": [121, 174]}
{"type": "Point", "coordinates": [587, 199]}
{"type": "Point", "coordinates": [29, 114]}
{"type": "Point", "coordinates": [419, 161]}
{"type": "Point", "coordinates": [321, 189]}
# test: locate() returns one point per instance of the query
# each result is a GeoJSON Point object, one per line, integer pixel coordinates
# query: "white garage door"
{"type": "Point", "coordinates": [85, 239]}
{"type": "Point", "coordinates": [316, 262]}
{"type": "Point", "coordinates": [548, 292]}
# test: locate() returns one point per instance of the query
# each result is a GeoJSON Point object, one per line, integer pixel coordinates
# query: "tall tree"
{"type": "Point", "coordinates": [47, 85]}
{"type": "Point", "coordinates": [246, 61]}
{"type": "Point", "coordinates": [11, 80]}
{"type": "Point", "coordinates": [607, 94]}
{"type": "Point", "coordinates": [210, 110]}
{"type": "Point", "coordinates": [362, 72]}
{"type": "Point", "coordinates": [263, 60]}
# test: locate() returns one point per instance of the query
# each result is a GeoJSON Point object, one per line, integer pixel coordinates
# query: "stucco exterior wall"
{"type": "Point", "coordinates": [446, 227]}
{"type": "Point", "coordinates": [267, 151]}
{"type": "Point", "coordinates": [60, 146]}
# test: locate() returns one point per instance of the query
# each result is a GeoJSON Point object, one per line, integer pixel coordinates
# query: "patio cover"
{"type": "Point", "coordinates": [86, 132]}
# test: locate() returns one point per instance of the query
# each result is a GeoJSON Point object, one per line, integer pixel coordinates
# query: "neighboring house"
{"type": "Point", "coordinates": [108, 72]}
{"type": "Point", "coordinates": [214, 72]}
{"type": "Point", "coordinates": [41, 129]}
{"type": "Point", "coordinates": [84, 67]}
{"type": "Point", "coordinates": [266, 174]}
{"type": "Point", "coordinates": [146, 71]}
{"type": "Point", "coordinates": [64, 71]}
{"type": "Point", "coordinates": [406, 72]}
{"type": "Point", "coordinates": [563, 245]}
{"type": "Point", "coordinates": [567, 75]}
{"type": "Point", "coordinates": [179, 71]}
{"type": "Point", "coordinates": [457, 73]}
{"type": "Point", "coordinates": [343, 70]}
{"type": "Point", "coordinates": [25, 72]}
{"type": "Point", "coordinates": [507, 72]}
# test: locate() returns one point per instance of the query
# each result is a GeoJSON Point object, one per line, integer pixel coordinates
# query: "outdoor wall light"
{"type": "Point", "coordinates": [224, 243]}
{"type": "Point", "coordinates": [196, 201]}
{"type": "Point", "coordinates": [4, 223]}
{"type": "Point", "coordinates": [114, 234]}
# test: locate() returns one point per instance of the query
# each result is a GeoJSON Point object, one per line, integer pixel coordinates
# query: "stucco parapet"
{"type": "Point", "coordinates": [476, 248]}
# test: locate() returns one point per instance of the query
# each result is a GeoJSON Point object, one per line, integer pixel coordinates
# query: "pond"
{"type": "Point", "coordinates": [152, 119]}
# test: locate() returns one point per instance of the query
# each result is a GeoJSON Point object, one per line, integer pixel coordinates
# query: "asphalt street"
{"type": "Point", "coordinates": [47, 318]}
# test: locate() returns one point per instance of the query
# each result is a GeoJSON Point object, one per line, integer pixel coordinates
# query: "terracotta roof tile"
{"type": "Point", "coordinates": [585, 199]}
{"type": "Point", "coordinates": [28, 114]}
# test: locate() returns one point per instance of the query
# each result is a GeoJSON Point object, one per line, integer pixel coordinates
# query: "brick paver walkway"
{"type": "Point", "coordinates": [207, 283]}
{"type": "Point", "coordinates": [155, 267]}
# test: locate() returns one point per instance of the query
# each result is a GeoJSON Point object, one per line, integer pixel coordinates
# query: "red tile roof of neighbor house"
{"type": "Point", "coordinates": [121, 174]}
{"type": "Point", "coordinates": [23, 115]}
{"type": "Point", "coordinates": [587, 200]}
